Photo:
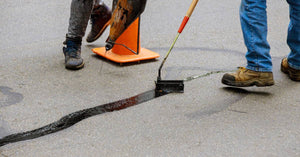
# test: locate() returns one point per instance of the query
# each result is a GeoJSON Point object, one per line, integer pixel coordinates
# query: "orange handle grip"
{"type": "Point", "coordinates": [188, 15]}
{"type": "Point", "coordinates": [183, 23]}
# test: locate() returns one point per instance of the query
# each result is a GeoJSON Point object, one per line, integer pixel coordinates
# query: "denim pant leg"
{"type": "Point", "coordinates": [293, 38]}
{"type": "Point", "coordinates": [253, 18]}
{"type": "Point", "coordinates": [79, 17]}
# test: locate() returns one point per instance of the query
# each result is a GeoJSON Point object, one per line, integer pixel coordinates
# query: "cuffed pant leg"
{"type": "Point", "coordinates": [293, 38]}
{"type": "Point", "coordinates": [79, 17]}
{"type": "Point", "coordinates": [253, 18]}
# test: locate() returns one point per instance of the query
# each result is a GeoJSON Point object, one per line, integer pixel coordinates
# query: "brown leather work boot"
{"type": "Point", "coordinates": [291, 72]}
{"type": "Point", "coordinates": [100, 19]}
{"type": "Point", "coordinates": [245, 78]}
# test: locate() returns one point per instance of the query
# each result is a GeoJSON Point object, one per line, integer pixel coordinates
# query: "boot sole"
{"type": "Point", "coordinates": [100, 33]}
{"type": "Point", "coordinates": [247, 83]}
{"type": "Point", "coordinates": [290, 74]}
{"type": "Point", "coordinates": [75, 67]}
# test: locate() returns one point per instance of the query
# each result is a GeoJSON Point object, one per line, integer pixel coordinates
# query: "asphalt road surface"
{"type": "Point", "coordinates": [208, 119]}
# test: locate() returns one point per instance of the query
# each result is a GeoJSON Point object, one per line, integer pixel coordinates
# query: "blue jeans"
{"type": "Point", "coordinates": [253, 18]}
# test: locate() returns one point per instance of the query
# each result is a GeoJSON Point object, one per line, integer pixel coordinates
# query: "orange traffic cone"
{"type": "Point", "coordinates": [127, 47]}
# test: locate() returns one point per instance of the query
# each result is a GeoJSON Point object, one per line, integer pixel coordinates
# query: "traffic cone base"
{"type": "Point", "coordinates": [144, 54]}
{"type": "Point", "coordinates": [131, 39]}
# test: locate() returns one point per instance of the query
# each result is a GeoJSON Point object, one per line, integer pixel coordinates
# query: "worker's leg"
{"type": "Point", "coordinates": [293, 38]}
{"type": "Point", "coordinates": [79, 16]}
{"type": "Point", "coordinates": [253, 18]}
{"type": "Point", "coordinates": [291, 64]}
{"type": "Point", "coordinates": [259, 65]}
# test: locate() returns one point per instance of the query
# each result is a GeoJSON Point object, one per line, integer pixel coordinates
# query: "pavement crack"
{"type": "Point", "coordinates": [238, 111]}
{"type": "Point", "coordinates": [204, 75]}
{"type": "Point", "coordinates": [75, 117]}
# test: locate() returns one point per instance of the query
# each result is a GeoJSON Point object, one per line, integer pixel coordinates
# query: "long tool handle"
{"type": "Point", "coordinates": [187, 15]}
{"type": "Point", "coordinates": [183, 23]}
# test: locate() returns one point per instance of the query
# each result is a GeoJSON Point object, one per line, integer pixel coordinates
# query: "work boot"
{"type": "Point", "coordinates": [72, 54]}
{"type": "Point", "coordinates": [245, 78]}
{"type": "Point", "coordinates": [100, 19]}
{"type": "Point", "coordinates": [293, 74]}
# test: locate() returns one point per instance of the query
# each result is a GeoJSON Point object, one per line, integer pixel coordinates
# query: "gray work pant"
{"type": "Point", "coordinates": [79, 16]}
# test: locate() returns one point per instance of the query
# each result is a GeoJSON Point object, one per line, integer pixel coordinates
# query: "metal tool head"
{"type": "Point", "coordinates": [168, 86]}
